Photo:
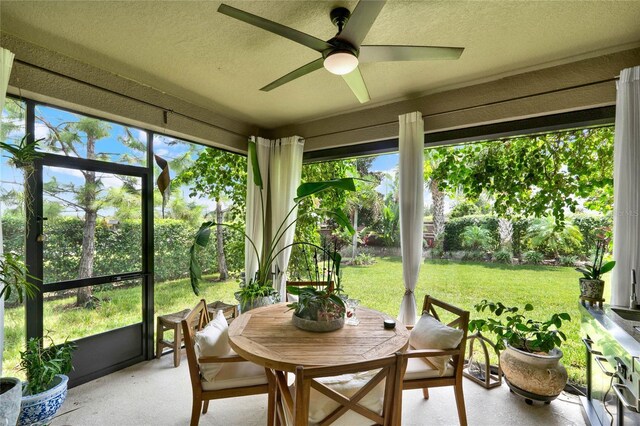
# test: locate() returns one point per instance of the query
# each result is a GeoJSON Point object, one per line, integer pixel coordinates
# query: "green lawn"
{"type": "Point", "coordinates": [549, 289]}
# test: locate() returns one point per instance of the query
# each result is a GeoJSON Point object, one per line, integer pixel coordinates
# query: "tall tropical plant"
{"type": "Point", "coordinates": [547, 236]}
{"type": "Point", "coordinates": [475, 237]}
{"type": "Point", "coordinates": [263, 276]}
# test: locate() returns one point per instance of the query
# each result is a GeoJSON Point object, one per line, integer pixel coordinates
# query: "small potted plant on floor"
{"type": "Point", "coordinates": [530, 358]}
{"type": "Point", "coordinates": [46, 387]}
{"type": "Point", "coordinates": [591, 284]}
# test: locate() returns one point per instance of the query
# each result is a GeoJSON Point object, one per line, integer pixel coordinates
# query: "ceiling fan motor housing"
{"type": "Point", "coordinates": [339, 17]}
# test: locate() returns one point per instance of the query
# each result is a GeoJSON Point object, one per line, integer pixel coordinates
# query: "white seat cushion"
{"type": "Point", "coordinates": [236, 375]}
{"type": "Point", "coordinates": [320, 406]}
{"type": "Point", "coordinates": [213, 340]}
{"type": "Point", "coordinates": [418, 368]}
{"type": "Point", "coordinates": [429, 333]}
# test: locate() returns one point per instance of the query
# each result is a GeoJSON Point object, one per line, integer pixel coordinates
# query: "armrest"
{"type": "Point", "coordinates": [220, 359]}
{"type": "Point", "coordinates": [424, 353]}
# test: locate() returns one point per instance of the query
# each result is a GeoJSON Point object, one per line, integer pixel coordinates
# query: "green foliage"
{"type": "Point", "coordinates": [455, 227]}
{"type": "Point", "coordinates": [518, 330]}
{"type": "Point", "coordinates": [474, 255]}
{"type": "Point", "coordinates": [316, 304]}
{"type": "Point", "coordinates": [595, 270]}
{"type": "Point", "coordinates": [548, 237]}
{"type": "Point", "coordinates": [533, 257]}
{"type": "Point", "coordinates": [503, 256]}
{"type": "Point", "coordinates": [591, 227]}
{"type": "Point", "coordinates": [364, 259]}
{"type": "Point", "coordinates": [465, 208]}
{"type": "Point", "coordinates": [13, 278]}
{"type": "Point", "coordinates": [568, 260]}
{"type": "Point", "coordinates": [253, 290]}
{"type": "Point", "coordinates": [43, 364]}
{"type": "Point", "coordinates": [535, 175]}
{"type": "Point", "coordinates": [476, 238]}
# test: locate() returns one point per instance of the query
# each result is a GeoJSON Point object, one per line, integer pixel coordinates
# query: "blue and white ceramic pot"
{"type": "Point", "coordinates": [40, 408]}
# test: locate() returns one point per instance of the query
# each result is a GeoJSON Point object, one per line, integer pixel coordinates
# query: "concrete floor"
{"type": "Point", "coordinates": [155, 393]}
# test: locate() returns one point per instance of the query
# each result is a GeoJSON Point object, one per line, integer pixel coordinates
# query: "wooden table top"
{"type": "Point", "coordinates": [266, 336]}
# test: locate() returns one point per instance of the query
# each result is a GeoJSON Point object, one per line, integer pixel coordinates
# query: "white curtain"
{"type": "Point", "coordinates": [626, 186]}
{"type": "Point", "coordinates": [284, 179]}
{"type": "Point", "coordinates": [6, 61]}
{"type": "Point", "coordinates": [256, 207]}
{"type": "Point", "coordinates": [411, 144]}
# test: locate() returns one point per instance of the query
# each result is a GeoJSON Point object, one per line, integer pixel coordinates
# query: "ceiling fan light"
{"type": "Point", "coordinates": [341, 62]}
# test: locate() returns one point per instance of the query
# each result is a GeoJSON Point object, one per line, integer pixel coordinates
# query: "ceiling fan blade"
{"type": "Point", "coordinates": [282, 30]}
{"type": "Point", "coordinates": [361, 20]}
{"type": "Point", "coordinates": [407, 53]}
{"type": "Point", "coordinates": [356, 84]}
{"type": "Point", "coordinates": [303, 70]}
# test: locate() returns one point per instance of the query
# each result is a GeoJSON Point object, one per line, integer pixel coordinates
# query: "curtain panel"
{"type": "Point", "coordinates": [411, 198]}
{"type": "Point", "coordinates": [281, 168]}
{"type": "Point", "coordinates": [626, 186]}
{"type": "Point", "coordinates": [6, 61]}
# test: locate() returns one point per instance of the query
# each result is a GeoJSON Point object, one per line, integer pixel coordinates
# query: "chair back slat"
{"type": "Point", "coordinates": [307, 379]}
{"type": "Point", "coordinates": [195, 320]}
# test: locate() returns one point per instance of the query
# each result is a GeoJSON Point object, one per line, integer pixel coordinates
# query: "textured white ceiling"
{"type": "Point", "coordinates": [189, 50]}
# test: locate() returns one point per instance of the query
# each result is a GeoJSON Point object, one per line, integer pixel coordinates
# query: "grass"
{"type": "Point", "coordinates": [549, 289]}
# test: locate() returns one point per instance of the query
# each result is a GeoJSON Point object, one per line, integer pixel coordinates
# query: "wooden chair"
{"type": "Point", "coordinates": [453, 376]}
{"type": "Point", "coordinates": [196, 320]}
{"type": "Point", "coordinates": [295, 409]}
{"type": "Point", "coordinates": [319, 285]}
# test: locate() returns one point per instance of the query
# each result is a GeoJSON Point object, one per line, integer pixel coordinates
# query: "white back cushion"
{"type": "Point", "coordinates": [213, 340]}
{"type": "Point", "coordinates": [429, 333]}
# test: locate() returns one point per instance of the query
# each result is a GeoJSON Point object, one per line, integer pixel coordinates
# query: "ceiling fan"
{"type": "Point", "coordinates": [342, 53]}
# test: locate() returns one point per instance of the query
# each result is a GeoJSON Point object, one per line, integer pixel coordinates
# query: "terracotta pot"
{"type": "Point", "coordinates": [537, 374]}
{"type": "Point", "coordinates": [317, 326]}
{"type": "Point", "coordinates": [591, 288]}
{"type": "Point", "coordinates": [10, 395]}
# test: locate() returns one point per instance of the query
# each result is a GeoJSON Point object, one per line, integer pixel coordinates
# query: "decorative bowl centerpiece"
{"type": "Point", "coordinates": [317, 309]}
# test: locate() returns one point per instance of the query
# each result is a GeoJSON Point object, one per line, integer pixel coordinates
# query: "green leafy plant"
{"type": "Point", "coordinates": [43, 364]}
{"type": "Point", "coordinates": [364, 259]}
{"type": "Point", "coordinates": [519, 331]}
{"type": "Point", "coordinates": [503, 256]}
{"type": "Point", "coordinates": [547, 236]}
{"type": "Point", "coordinates": [533, 257]}
{"type": "Point", "coordinates": [13, 277]}
{"type": "Point", "coordinates": [252, 291]}
{"type": "Point", "coordinates": [316, 304]}
{"type": "Point", "coordinates": [595, 270]}
{"type": "Point", "coordinates": [263, 278]}
{"type": "Point", "coordinates": [476, 238]}
{"type": "Point", "coordinates": [568, 260]}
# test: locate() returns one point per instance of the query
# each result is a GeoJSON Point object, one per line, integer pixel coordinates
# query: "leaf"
{"type": "Point", "coordinates": [528, 307]}
{"type": "Point", "coordinates": [310, 188]}
{"type": "Point", "coordinates": [607, 267]}
{"type": "Point", "coordinates": [565, 316]}
{"type": "Point", "coordinates": [255, 165]}
{"type": "Point", "coordinates": [203, 234]}
{"type": "Point", "coordinates": [342, 220]}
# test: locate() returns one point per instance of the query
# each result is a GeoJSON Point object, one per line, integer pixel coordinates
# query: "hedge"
{"type": "Point", "coordinates": [117, 247]}
{"type": "Point", "coordinates": [454, 227]}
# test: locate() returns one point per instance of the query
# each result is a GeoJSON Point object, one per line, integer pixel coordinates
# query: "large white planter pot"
{"type": "Point", "coordinates": [534, 376]}
{"type": "Point", "coordinates": [256, 303]}
{"type": "Point", "coordinates": [10, 394]}
{"type": "Point", "coordinates": [40, 408]}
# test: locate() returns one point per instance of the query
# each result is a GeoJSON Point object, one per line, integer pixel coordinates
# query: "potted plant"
{"type": "Point", "coordinates": [46, 387]}
{"type": "Point", "coordinates": [317, 309]}
{"type": "Point", "coordinates": [13, 280]}
{"type": "Point", "coordinates": [261, 284]}
{"type": "Point", "coordinates": [591, 284]}
{"type": "Point", "coordinates": [530, 358]}
{"type": "Point", "coordinates": [253, 295]}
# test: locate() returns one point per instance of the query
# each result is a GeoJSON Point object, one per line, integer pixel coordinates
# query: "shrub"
{"type": "Point", "coordinates": [503, 256]}
{"type": "Point", "coordinates": [476, 238]}
{"type": "Point", "coordinates": [474, 255]}
{"type": "Point", "coordinates": [452, 240]}
{"type": "Point", "coordinates": [466, 208]}
{"type": "Point", "coordinates": [533, 257]}
{"type": "Point", "coordinates": [364, 259]}
{"type": "Point", "coordinates": [546, 237]}
{"type": "Point", "coordinates": [568, 260]}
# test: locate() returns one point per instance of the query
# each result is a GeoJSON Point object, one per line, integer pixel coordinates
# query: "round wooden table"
{"type": "Point", "coordinates": [267, 337]}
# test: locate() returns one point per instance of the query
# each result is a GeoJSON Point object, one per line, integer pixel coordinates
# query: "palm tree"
{"type": "Point", "coordinates": [432, 158]}
{"type": "Point", "coordinates": [545, 235]}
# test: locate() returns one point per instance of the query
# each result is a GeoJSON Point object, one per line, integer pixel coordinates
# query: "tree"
{"type": "Point", "coordinates": [476, 238]}
{"type": "Point", "coordinates": [545, 237]}
{"type": "Point", "coordinates": [218, 175]}
{"type": "Point", "coordinates": [535, 175]}
{"type": "Point", "coordinates": [79, 139]}
{"type": "Point", "coordinates": [432, 159]}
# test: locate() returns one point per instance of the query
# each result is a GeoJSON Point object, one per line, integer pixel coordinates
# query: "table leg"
{"type": "Point", "coordinates": [271, 404]}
